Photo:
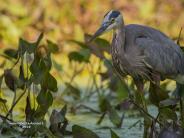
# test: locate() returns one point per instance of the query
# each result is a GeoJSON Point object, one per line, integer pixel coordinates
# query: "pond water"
{"type": "Point", "coordinates": [132, 126]}
{"type": "Point", "coordinates": [89, 120]}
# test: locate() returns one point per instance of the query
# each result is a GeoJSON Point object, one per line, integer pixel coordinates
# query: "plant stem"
{"type": "Point", "coordinates": [15, 103]}
{"type": "Point", "coordinates": [146, 113]}
{"type": "Point", "coordinates": [181, 112]}
{"type": "Point", "coordinates": [89, 108]}
{"type": "Point", "coordinates": [4, 118]}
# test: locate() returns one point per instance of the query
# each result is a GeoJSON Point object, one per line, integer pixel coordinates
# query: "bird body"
{"type": "Point", "coordinates": [145, 54]}
{"type": "Point", "coordinates": [142, 52]}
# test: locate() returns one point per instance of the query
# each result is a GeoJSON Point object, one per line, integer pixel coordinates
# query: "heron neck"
{"type": "Point", "coordinates": [120, 36]}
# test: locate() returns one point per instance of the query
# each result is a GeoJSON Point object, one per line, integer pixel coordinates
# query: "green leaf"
{"type": "Point", "coordinates": [40, 37]}
{"type": "Point", "coordinates": [57, 66]}
{"type": "Point", "coordinates": [122, 90]}
{"type": "Point", "coordinates": [81, 132]}
{"type": "Point", "coordinates": [81, 44]}
{"type": "Point", "coordinates": [28, 110]}
{"type": "Point", "coordinates": [114, 135]}
{"type": "Point", "coordinates": [53, 48]}
{"type": "Point", "coordinates": [22, 80]}
{"type": "Point", "coordinates": [45, 98]}
{"type": "Point", "coordinates": [25, 46]}
{"type": "Point", "coordinates": [10, 80]}
{"type": "Point", "coordinates": [58, 122]}
{"type": "Point", "coordinates": [102, 42]}
{"type": "Point", "coordinates": [58, 117]}
{"type": "Point", "coordinates": [85, 53]}
{"type": "Point", "coordinates": [168, 113]}
{"type": "Point", "coordinates": [98, 47]}
{"type": "Point", "coordinates": [1, 80]}
{"type": "Point", "coordinates": [50, 82]}
{"type": "Point", "coordinates": [71, 90]}
{"type": "Point", "coordinates": [104, 104]}
{"type": "Point", "coordinates": [77, 56]}
{"type": "Point", "coordinates": [63, 111]}
{"type": "Point", "coordinates": [114, 117]}
{"type": "Point", "coordinates": [156, 94]}
{"type": "Point", "coordinates": [3, 100]}
{"type": "Point", "coordinates": [39, 68]}
{"type": "Point", "coordinates": [11, 53]}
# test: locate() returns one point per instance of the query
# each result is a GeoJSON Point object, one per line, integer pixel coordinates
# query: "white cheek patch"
{"type": "Point", "coordinates": [119, 19]}
{"type": "Point", "coordinates": [111, 26]}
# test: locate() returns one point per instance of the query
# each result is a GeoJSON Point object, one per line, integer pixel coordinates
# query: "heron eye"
{"type": "Point", "coordinates": [112, 20]}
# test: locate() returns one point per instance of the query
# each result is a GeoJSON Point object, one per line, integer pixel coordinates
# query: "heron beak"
{"type": "Point", "coordinates": [99, 32]}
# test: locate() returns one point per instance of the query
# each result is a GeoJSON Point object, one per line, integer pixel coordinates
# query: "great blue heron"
{"type": "Point", "coordinates": [142, 52]}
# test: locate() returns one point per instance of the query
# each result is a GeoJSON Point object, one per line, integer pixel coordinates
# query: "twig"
{"type": "Point", "coordinates": [178, 40]}
{"type": "Point", "coordinates": [12, 107]}
{"type": "Point", "coordinates": [4, 118]}
{"type": "Point", "coordinates": [13, 102]}
{"type": "Point", "coordinates": [143, 111]}
{"type": "Point", "coordinates": [181, 111]}
{"type": "Point", "coordinates": [87, 107]}
{"type": "Point", "coordinates": [101, 118]}
{"type": "Point", "coordinates": [134, 124]}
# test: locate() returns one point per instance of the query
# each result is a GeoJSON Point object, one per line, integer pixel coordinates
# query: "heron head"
{"type": "Point", "coordinates": [112, 20]}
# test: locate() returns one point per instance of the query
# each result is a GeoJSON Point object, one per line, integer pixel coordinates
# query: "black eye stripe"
{"type": "Point", "coordinates": [114, 14]}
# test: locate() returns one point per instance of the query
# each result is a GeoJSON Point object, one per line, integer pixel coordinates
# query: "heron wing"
{"type": "Point", "coordinates": [163, 56]}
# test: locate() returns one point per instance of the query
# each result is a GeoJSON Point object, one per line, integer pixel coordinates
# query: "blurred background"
{"type": "Point", "coordinates": [81, 71]}
{"type": "Point", "coordinates": [69, 19]}
{"type": "Point", "coordinates": [63, 20]}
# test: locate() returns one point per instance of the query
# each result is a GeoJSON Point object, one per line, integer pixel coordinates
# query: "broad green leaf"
{"type": "Point", "coordinates": [3, 100]}
{"type": "Point", "coordinates": [50, 82]}
{"type": "Point", "coordinates": [53, 48]}
{"type": "Point", "coordinates": [1, 80]}
{"type": "Point", "coordinates": [168, 113]}
{"type": "Point", "coordinates": [98, 46]}
{"type": "Point", "coordinates": [40, 37]}
{"type": "Point", "coordinates": [22, 80]}
{"type": "Point", "coordinates": [28, 110]}
{"type": "Point", "coordinates": [77, 56]}
{"type": "Point", "coordinates": [45, 98]}
{"type": "Point", "coordinates": [58, 122]}
{"type": "Point", "coordinates": [157, 94]}
{"type": "Point", "coordinates": [11, 53]}
{"type": "Point", "coordinates": [25, 46]}
{"type": "Point", "coordinates": [85, 53]}
{"type": "Point", "coordinates": [40, 68]}
{"type": "Point", "coordinates": [81, 44]}
{"type": "Point", "coordinates": [10, 80]}
{"type": "Point", "coordinates": [114, 117]}
{"type": "Point", "coordinates": [104, 104]}
{"type": "Point", "coordinates": [63, 110]}
{"type": "Point", "coordinates": [114, 135]}
{"type": "Point", "coordinates": [71, 90]}
{"type": "Point", "coordinates": [58, 117]}
{"type": "Point", "coordinates": [102, 42]}
{"type": "Point", "coordinates": [122, 90]}
{"type": "Point", "coordinates": [57, 65]}
{"type": "Point", "coordinates": [81, 132]}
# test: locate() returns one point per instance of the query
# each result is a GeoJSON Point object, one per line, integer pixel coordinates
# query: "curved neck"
{"type": "Point", "coordinates": [120, 37]}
